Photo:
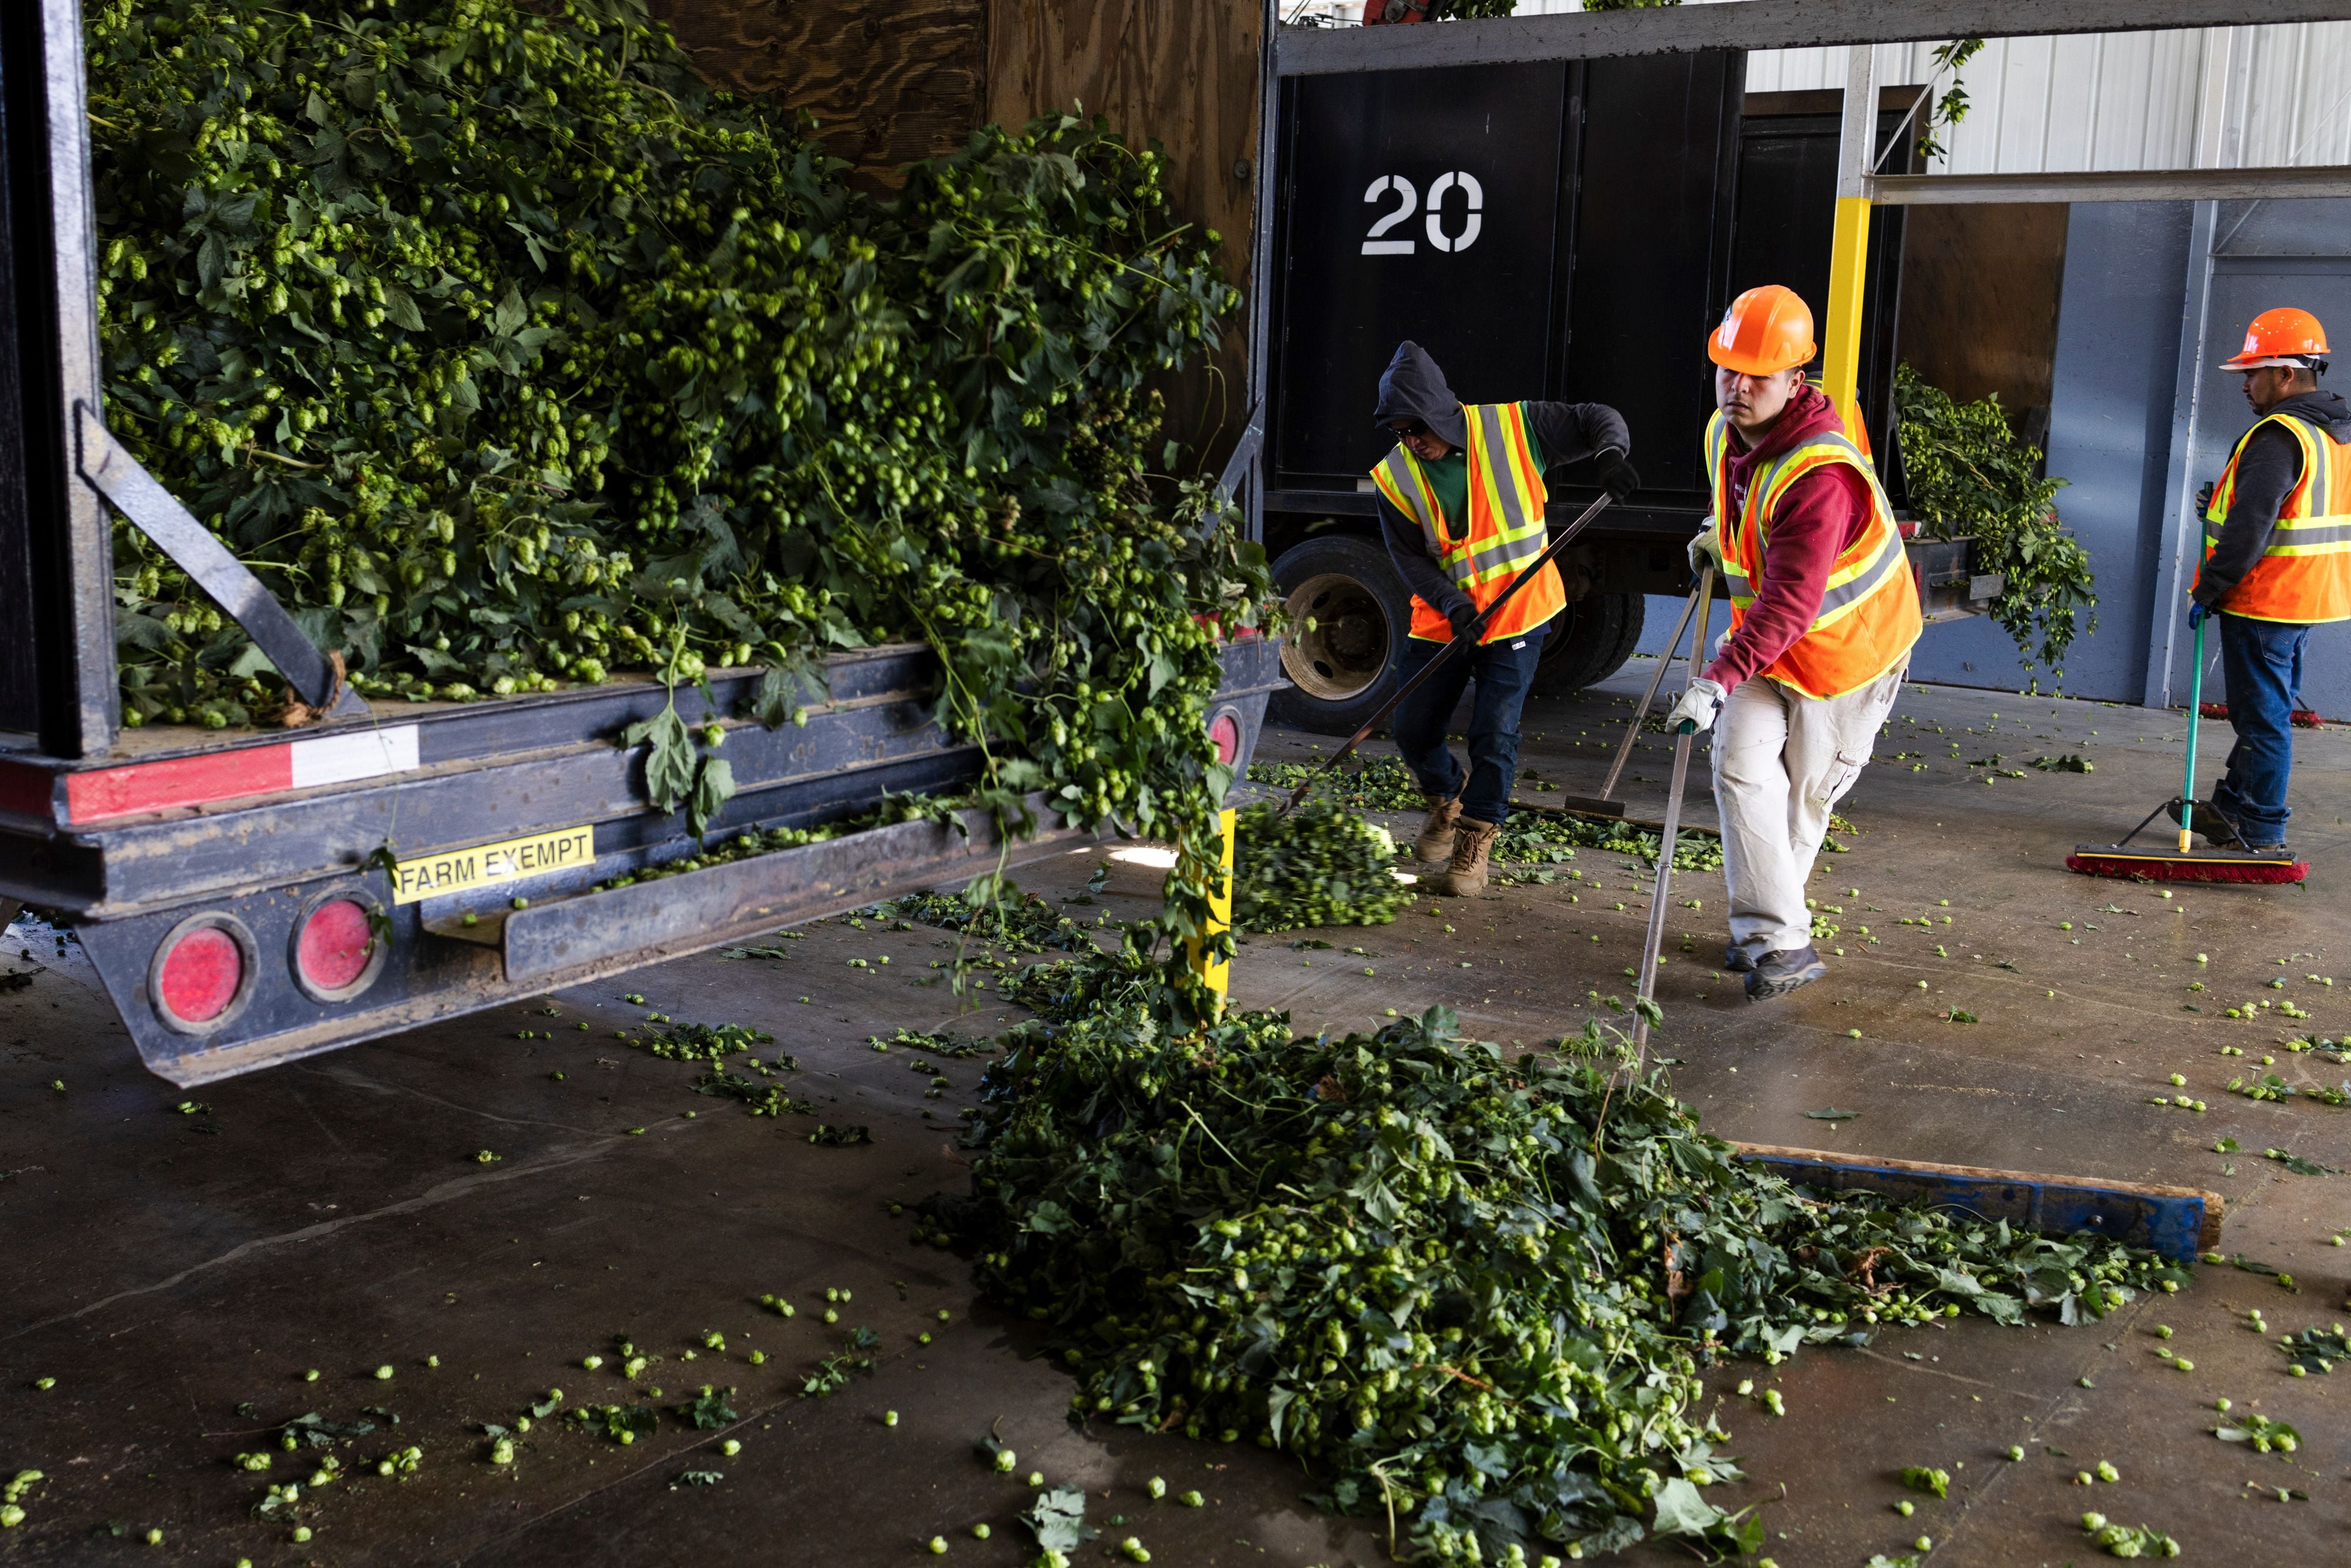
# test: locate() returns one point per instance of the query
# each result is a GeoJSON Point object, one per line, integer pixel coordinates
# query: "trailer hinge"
{"type": "Point", "coordinates": [139, 496]}
{"type": "Point", "coordinates": [1236, 466]}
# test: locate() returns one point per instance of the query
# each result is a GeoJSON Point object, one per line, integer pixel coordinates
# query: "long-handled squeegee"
{"type": "Point", "coordinates": [1465, 638]}
{"type": "Point", "coordinates": [1605, 803]}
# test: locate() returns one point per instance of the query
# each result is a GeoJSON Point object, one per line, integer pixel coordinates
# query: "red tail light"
{"type": "Point", "coordinates": [337, 953]}
{"type": "Point", "coordinates": [1225, 732]}
{"type": "Point", "coordinates": [202, 974]}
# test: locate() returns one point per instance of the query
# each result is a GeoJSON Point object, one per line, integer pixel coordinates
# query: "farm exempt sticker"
{"type": "Point", "coordinates": [453, 871]}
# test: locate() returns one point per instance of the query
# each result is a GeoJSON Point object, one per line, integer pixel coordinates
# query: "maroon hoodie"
{"type": "Point", "coordinates": [1819, 517]}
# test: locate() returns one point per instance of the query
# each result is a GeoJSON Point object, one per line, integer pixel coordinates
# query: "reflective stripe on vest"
{"type": "Point", "coordinates": [2305, 575]}
{"type": "Point", "coordinates": [1869, 614]}
{"type": "Point", "coordinates": [1505, 531]}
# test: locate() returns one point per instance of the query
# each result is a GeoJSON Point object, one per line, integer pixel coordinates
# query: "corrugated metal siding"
{"type": "Point", "coordinates": [2117, 101]}
{"type": "Point", "coordinates": [2305, 70]}
{"type": "Point", "coordinates": [2125, 101]}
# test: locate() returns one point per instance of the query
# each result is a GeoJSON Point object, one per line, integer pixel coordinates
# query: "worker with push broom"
{"type": "Point", "coordinates": [1462, 508]}
{"type": "Point", "coordinates": [2277, 561]}
{"type": "Point", "coordinates": [1822, 615]}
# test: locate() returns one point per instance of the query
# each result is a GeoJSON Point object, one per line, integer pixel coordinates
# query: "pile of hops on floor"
{"type": "Point", "coordinates": [1473, 1293]}
{"type": "Point", "coordinates": [1318, 864]}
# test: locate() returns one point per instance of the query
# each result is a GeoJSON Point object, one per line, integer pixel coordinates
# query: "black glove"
{"type": "Point", "coordinates": [1617, 476]}
{"type": "Point", "coordinates": [1461, 615]}
{"type": "Point", "coordinates": [2204, 501]}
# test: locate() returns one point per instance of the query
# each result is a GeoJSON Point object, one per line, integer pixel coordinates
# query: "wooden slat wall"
{"type": "Point", "coordinates": [889, 81]}
{"type": "Point", "coordinates": [1182, 73]}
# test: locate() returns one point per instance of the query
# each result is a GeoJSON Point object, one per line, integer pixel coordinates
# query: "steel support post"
{"type": "Point", "coordinates": [1849, 252]}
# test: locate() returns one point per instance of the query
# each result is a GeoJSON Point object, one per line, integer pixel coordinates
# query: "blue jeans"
{"type": "Point", "coordinates": [2263, 661]}
{"type": "Point", "coordinates": [1503, 670]}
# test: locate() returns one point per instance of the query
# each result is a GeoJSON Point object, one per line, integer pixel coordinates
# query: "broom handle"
{"type": "Point", "coordinates": [2195, 712]}
{"type": "Point", "coordinates": [1646, 986]}
{"type": "Point", "coordinates": [1657, 679]}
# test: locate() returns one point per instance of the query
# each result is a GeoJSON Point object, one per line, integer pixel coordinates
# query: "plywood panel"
{"type": "Point", "coordinates": [889, 81]}
{"type": "Point", "coordinates": [1979, 295]}
{"type": "Point", "coordinates": [1183, 75]}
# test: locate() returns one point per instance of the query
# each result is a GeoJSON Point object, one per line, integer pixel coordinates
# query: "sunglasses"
{"type": "Point", "coordinates": [1412, 428]}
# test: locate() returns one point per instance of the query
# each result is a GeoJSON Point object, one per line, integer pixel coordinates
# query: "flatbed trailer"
{"type": "Point", "coordinates": [248, 897]}
{"type": "Point", "coordinates": [279, 894]}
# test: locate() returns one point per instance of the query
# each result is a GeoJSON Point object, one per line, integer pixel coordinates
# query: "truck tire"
{"type": "Point", "coordinates": [1590, 641]}
{"type": "Point", "coordinates": [1342, 666]}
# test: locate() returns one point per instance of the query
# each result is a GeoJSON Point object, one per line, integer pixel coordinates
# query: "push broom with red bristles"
{"type": "Point", "coordinates": [2188, 863]}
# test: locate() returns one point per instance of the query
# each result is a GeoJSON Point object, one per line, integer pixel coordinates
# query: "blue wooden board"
{"type": "Point", "coordinates": [2177, 1222]}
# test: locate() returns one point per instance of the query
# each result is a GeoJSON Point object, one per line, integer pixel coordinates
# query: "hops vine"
{"type": "Point", "coordinates": [1968, 474]}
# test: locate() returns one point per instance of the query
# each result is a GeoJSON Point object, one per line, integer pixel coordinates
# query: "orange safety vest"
{"type": "Point", "coordinates": [1869, 615]}
{"type": "Point", "coordinates": [2305, 575]}
{"type": "Point", "coordinates": [1506, 533]}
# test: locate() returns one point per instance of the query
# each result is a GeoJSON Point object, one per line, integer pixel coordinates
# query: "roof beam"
{"type": "Point", "coordinates": [2126, 186]}
{"type": "Point", "coordinates": [1754, 25]}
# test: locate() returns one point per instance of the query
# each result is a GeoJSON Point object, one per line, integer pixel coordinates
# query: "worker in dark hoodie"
{"type": "Point", "coordinates": [2277, 561]}
{"type": "Point", "coordinates": [1461, 498]}
{"type": "Point", "coordinates": [1823, 614]}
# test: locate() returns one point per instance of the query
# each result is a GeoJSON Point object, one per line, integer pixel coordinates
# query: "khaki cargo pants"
{"type": "Point", "coordinates": [1782, 760]}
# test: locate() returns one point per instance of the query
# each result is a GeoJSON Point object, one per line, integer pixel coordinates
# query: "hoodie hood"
{"type": "Point", "coordinates": [1808, 413]}
{"type": "Point", "coordinates": [1412, 387]}
{"type": "Point", "coordinates": [2326, 410]}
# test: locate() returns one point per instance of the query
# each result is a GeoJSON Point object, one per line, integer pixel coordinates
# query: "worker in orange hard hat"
{"type": "Point", "coordinates": [2277, 561]}
{"type": "Point", "coordinates": [1822, 615]}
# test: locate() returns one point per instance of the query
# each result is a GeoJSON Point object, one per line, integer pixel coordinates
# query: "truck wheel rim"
{"type": "Point", "coordinates": [1339, 637]}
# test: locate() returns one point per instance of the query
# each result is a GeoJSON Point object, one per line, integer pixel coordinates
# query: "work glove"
{"type": "Point", "coordinates": [1701, 703]}
{"type": "Point", "coordinates": [1460, 615]}
{"type": "Point", "coordinates": [1618, 477]}
{"type": "Point", "coordinates": [2196, 613]}
{"type": "Point", "coordinates": [1705, 553]}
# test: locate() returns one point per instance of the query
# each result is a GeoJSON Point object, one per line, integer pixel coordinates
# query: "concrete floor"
{"type": "Point", "coordinates": [177, 1274]}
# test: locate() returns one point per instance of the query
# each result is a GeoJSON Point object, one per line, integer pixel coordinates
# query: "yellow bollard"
{"type": "Point", "coordinates": [1216, 974]}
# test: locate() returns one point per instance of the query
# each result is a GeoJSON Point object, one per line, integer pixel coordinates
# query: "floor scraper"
{"type": "Point", "coordinates": [1605, 803]}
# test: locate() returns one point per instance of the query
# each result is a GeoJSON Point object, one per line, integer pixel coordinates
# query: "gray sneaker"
{"type": "Point", "coordinates": [1735, 960]}
{"type": "Point", "coordinates": [1777, 974]}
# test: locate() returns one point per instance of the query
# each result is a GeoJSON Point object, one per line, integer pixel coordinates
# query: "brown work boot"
{"type": "Point", "coordinates": [1471, 840]}
{"type": "Point", "coordinates": [1435, 844]}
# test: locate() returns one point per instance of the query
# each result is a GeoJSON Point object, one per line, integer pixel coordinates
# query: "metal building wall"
{"type": "Point", "coordinates": [2220, 97]}
{"type": "Point", "coordinates": [2112, 410]}
{"type": "Point", "coordinates": [2248, 257]}
{"type": "Point", "coordinates": [2254, 96]}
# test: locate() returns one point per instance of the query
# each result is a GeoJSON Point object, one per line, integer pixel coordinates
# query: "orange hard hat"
{"type": "Point", "coordinates": [2281, 337]}
{"type": "Point", "coordinates": [1766, 329]}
